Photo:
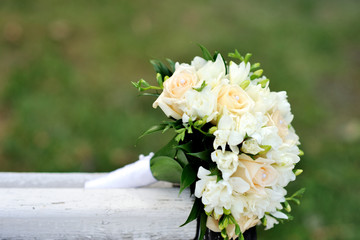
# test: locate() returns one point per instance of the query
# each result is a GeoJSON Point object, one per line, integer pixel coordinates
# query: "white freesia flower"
{"type": "Point", "coordinates": [238, 73]}
{"type": "Point", "coordinates": [197, 105]}
{"type": "Point", "coordinates": [198, 62]}
{"type": "Point", "coordinates": [227, 162]}
{"type": "Point", "coordinates": [270, 222]}
{"type": "Point", "coordinates": [279, 215]}
{"type": "Point", "coordinates": [283, 106]}
{"type": "Point", "coordinates": [251, 146]}
{"type": "Point", "coordinates": [204, 176]}
{"type": "Point", "coordinates": [226, 134]}
{"type": "Point", "coordinates": [252, 124]}
{"type": "Point", "coordinates": [212, 72]}
{"type": "Point", "coordinates": [264, 99]}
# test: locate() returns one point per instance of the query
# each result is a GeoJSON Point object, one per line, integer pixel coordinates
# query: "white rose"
{"type": "Point", "coordinates": [251, 146]}
{"type": "Point", "coordinates": [227, 162]}
{"type": "Point", "coordinates": [270, 136]}
{"type": "Point", "coordinates": [238, 73]}
{"type": "Point", "coordinates": [234, 99]}
{"type": "Point", "coordinates": [198, 62]}
{"type": "Point", "coordinates": [183, 79]}
{"type": "Point", "coordinates": [212, 72]}
{"type": "Point", "coordinates": [197, 105]}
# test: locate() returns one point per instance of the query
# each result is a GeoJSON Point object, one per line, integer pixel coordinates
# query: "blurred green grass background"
{"type": "Point", "coordinates": [66, 102]}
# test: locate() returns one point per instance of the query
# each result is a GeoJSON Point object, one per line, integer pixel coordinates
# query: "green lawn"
{"type": "Point", "coordinates": [67, 104]}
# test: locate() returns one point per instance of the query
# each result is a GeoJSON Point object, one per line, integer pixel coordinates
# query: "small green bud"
{"type": "Point", "coordinates": [244, 84]}
{"type": "Point", "coordinates": [166, 78]}
{"type": "Point", "coordinates": [199, 123]}
{"type": "Point", "coordinates": [257, 74]}
{"type": "Point", "coordinates": [301, 153]}
{"type": "Point", "coordinates": [254, 66]}
{"type": "Point", "coordinates": [287, 206]}
{"type": "Point", "coordinates": [247, 57]}
{"type": "Point", "coordinates": [263, 82]}
{"type": "Point", "coordinates": [298, 172]}
{"type": "Point", "coordinates": [212, 130]}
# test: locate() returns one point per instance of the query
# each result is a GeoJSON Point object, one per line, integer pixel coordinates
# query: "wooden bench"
{"type": "Point", "coordinates": [56, 206]}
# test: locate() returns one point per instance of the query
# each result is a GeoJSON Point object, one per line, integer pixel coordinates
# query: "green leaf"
{"type": "Point", "coordinates": [195, 211]}
{"type": "Point", "coordinates": [168, 150]}
{"type": "Point", "coordinates": [199, 89]}
{"type": "Point", "coordinates": [149, 94]}
{"type": "Point", "coordinates": [181, 134]}
{"type": "Point", "coordinates": [165, 168]}
{"type": "Point", "coordinates": [161, 68]}
{"type": "Point", "coordinates": [187, 147]}
{"type": "Point", "coordinates": [216, 172]}
{"type": "Point", "coordinates": [181, 158]}
{"type": "Point", "coordinates": [204, 155]}
{"type": "Point", "coordinates": [206, 53]}
{"type": "Point", "coordinates": [241, 236]}
{"type": "Point", "coordinates": [153, 129]}
{"type": "Point", "coordinates": [188, 176]}
{"type": "Point", "coordinates": [237, 229]}
{"type": "Point", "coordinates": [172, 64]}
{"type": "Point", "coordinates": [203, 220]}
{"type": "Point", "coordinates": [298, 193]}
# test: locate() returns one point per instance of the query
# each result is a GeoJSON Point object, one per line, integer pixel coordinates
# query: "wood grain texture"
{"type": "Point", "coordinates": [53, 180]}
{"type": "Point", "coordinates": [144, 213]}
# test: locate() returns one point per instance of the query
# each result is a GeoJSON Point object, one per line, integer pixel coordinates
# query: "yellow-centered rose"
{"type": "Point", "coordinates": [170, 100]}
{"type": "Point", "coordinates": [278, 121]}
{"type": "Point", "coordinates": [235, 99]}
{"type": "Point", "coordinates": [258, 173]}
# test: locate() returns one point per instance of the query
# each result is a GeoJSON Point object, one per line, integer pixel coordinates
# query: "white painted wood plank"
{"type": "Point", "coordinates": [94, 214]}
{"type": "Point", "coordinates": [52, 180]}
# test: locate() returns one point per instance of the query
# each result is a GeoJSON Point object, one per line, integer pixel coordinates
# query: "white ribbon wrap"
{"type": "Point", "coordinates": [136, 174]}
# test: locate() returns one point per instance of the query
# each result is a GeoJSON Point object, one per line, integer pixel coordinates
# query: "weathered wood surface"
{"type": "Point", "coordinates": [53, 180]}
{"type": "Point", "coordinates": [76, 213]}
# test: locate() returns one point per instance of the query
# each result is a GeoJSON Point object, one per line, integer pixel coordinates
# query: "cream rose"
{"type": "Point", "coordinates": [278, 121]}
{"type": "Point", "coordinates": [258, 173]}
{"type": "Point", "coordinates": [183, 79]}
{"type": "Point", "coordinates": [235, 99]}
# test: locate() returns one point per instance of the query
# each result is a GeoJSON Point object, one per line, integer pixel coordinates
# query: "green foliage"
{"type": "Point", "coordinates": [165, 168]}
{"type": "Point", "coordinates": [188, 177]}
{"type": "Point", "coordinates": [206, 53]}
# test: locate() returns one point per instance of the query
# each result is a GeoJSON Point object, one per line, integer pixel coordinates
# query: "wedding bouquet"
{"type": "Point", "coordinates": [234, 145]}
